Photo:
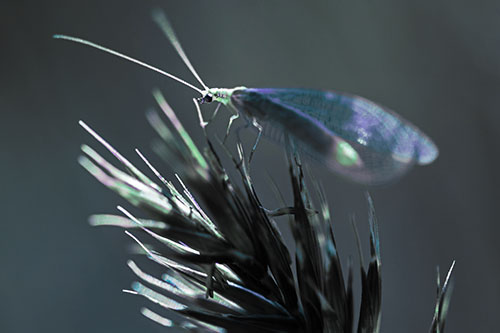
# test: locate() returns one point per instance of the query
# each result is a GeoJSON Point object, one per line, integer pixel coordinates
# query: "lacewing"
{"type": "Point", "coordinates": [351, 135]}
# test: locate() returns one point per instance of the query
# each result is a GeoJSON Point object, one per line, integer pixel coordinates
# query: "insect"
{"type": "Point", "coordinates": [351, 135]}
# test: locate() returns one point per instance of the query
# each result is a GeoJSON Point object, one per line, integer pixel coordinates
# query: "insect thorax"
{"type": "Point", "coordinates": [220, 95]}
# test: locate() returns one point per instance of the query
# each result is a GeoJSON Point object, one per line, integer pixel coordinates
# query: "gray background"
{"type": "Point", "coordinates": [435, 62]}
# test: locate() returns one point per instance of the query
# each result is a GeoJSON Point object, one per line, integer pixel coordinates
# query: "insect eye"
{"type": "Point", "coordinates": [208, 98]}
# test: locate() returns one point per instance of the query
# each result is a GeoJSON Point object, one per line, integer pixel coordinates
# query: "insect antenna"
{"type": "Point", "coordinates": [161, 19]}
{"type": "Point", "coordinates": [123, 56]}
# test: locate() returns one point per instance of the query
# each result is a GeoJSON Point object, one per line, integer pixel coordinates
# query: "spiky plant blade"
{"type": "Point", "coordinates": [371, 280]}
{"type": "Point", "coordinates": [442, 301]}
{"type": "Point", "coordinates": [225, 265]}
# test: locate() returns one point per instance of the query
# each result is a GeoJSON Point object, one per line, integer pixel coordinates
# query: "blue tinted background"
{"type": "Point", "coordinates": [435, 62]}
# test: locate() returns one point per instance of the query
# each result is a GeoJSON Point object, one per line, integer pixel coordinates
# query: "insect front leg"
{"type": "Point", "coordinates": [204, 123]}
{"type": "Point", "coordinates": [259, 128]}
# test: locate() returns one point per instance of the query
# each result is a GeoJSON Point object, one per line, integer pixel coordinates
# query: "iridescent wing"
{"type": "Point", "coordinates": [351, 135]}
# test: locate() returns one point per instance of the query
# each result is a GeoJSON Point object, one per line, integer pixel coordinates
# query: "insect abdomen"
{"type": "Point", "coordinates": [277, 119]}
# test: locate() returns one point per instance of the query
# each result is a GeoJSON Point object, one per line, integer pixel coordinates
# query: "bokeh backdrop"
{"type": "Point", "coordinates": [436, 62]}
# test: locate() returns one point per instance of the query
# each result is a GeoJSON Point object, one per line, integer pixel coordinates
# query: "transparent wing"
{"type": "Point", "coordinates": [351, 135]}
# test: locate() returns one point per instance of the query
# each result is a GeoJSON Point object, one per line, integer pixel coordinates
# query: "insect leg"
{"type": "Point", "coordinates": [231, 120]}
{"type": "Point", "coordinates": [259, 128]}
{"type": "Point", "coordinates": [287, 211]}
{"type": "Point", "coordinates": [241, 127]}
{"type": "Point", "coordinates": [204, 123]}
{"type": "Point", "coordinates": [215, 113]}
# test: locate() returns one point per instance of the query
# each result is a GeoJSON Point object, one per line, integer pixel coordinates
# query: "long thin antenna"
{"type": "Point", "coordinates": [120, 55]}
{"type": "Point", "coordinates": [161, 19]}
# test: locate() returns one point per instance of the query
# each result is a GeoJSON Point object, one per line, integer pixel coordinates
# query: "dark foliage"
{"type": "Point", "coordinates": [226, 266]}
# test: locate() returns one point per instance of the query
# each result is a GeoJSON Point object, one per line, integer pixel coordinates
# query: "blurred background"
{"type": "Point", "coordinates": [436, 62]}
